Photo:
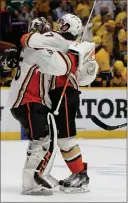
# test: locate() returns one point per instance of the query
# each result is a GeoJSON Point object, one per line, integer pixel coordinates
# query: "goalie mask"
{"type": "Point", "coordinates": [40, 25]}
{"type": "Point", "coordinates": [70, 24]}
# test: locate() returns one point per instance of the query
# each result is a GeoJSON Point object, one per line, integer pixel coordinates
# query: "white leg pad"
{"type": "Point", "coordinates": [41, 154]}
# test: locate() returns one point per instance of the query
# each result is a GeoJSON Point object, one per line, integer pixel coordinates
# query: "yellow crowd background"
{"type": "Point", "coordinates": [108, 30]}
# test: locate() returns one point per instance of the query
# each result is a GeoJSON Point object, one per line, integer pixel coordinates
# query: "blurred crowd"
{"type": "Point", "coordinates": [107, 28]}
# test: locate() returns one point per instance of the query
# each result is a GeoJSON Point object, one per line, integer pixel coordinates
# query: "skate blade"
{"type": "Point", "coordinates": [72, 190]}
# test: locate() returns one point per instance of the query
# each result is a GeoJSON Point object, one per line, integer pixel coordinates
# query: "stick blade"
{"type": "Point", "coordinates": [104, 126]}
{"type": "Point", "coordinates": [99, 123]}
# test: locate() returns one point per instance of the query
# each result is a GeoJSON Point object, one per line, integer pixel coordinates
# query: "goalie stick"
{"type": "Point", "coordinates": [105, 126]}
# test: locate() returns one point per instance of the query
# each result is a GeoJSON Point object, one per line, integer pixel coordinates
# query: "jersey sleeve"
{"type": "Point", "coordinates": [54, 63]}
{"type": "Point", "coordinates": [37, 40]}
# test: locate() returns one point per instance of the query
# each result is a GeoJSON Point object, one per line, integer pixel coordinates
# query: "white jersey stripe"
{"type": "Point", "coordinates": [41, 89]}
{"type": "Point", "coordinates": [24, 86]}
{"type": "Point", "coordinates": [74, 81]}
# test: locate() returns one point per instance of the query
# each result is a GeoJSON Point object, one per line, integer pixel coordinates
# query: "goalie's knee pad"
{"type": "Point", "coordinates": [41, 154]}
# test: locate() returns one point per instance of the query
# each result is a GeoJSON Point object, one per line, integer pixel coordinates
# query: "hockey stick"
{"type": "Point", "coordinates": [105, 126]}
{"type": "Point", "coordinates": [85, 29]}
{"type": "Point", "coordinates": [56, 112]}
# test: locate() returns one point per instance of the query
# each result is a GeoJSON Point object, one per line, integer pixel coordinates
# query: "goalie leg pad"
{"type": "Point", "coordinates": [41, 153]}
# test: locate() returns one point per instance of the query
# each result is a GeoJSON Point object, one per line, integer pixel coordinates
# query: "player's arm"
{"type": "Point", "coordinates": [55, 63]}
{"type": "Point", "coordinates": [37, 40]}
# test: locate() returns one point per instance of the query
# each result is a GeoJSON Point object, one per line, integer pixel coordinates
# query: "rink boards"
{"type": "Point", "coordinates": [108, 104]}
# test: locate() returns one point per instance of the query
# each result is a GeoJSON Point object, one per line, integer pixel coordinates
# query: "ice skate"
{"type": "Point", "coordinates": [76, 182]}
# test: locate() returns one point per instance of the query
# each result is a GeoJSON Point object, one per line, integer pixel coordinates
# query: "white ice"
{"type": "Point", "coordinates": [106, 169]}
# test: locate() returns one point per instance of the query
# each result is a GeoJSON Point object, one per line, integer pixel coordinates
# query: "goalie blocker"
{"type": "Point", "coordinates": [87, 66]}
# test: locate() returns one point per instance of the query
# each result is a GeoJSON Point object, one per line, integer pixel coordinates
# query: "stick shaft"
{"type": "Point", "coordinates": [62, 95]}
{"type": "Point", "coordinates": [85, 29]}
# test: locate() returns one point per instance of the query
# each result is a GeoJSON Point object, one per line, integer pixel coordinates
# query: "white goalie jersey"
{"type": "Point", "coordinates": [29, 83]}
{"type": "Point", "coordinates": [51, 39]}
{"type": "Point", "coordinates": [56, 41]}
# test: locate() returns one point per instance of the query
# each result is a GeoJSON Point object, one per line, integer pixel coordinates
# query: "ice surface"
{"type": "Point", "coordinates": [106, 169]}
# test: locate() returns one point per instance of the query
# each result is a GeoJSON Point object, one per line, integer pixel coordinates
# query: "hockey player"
{"type": "Point", "coordinates": [30, 105]}
{"type": "Point", "coordinates": [69, 28]}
